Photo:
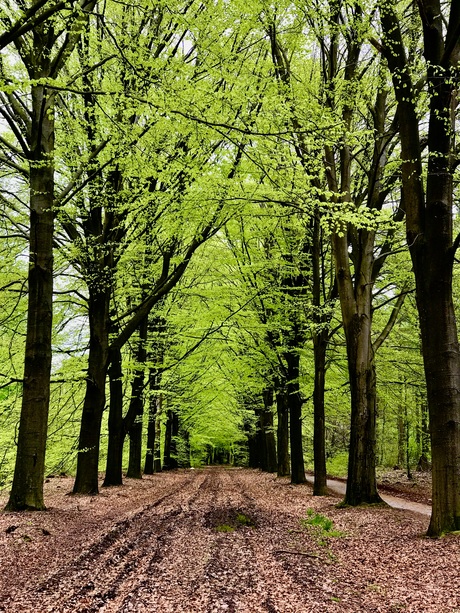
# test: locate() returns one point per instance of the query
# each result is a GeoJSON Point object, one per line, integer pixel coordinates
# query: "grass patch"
{"type": "Point", "coordinates": [225, 528]}
{"type": "Point", "coordinates": [229, 520]}
{"type": "Point", "coordinates": [320, 526]}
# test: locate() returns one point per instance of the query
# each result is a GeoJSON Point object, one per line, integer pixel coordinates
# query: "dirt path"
{"type": "Point", "coordinates": [339, 487]}
{"type": "Point", "coordinates": [217, 540]}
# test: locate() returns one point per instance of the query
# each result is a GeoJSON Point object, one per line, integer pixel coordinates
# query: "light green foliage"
{"type": "Point", "coordinates": [181, 103]}
{"type": "Point", "coordinates": [320, 526]}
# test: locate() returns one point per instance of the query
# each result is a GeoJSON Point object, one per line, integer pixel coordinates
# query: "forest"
{"type": "Point", "coordinates": [229, 235]}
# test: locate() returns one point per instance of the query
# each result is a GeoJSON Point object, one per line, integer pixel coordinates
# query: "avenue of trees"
{"type": "Point", "coordinates": [229, 233]}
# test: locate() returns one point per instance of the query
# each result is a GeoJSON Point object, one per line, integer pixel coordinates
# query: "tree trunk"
{"type": "Point", "coordinates": [361, 481]}
{"type": "Point", "coordinates": [86, 480]}
{"type": "Point", "coordinates": [442, 371]}
{"type": "Point", "coordinates": [295, 417]}
{"type": "Point", "coordinates": [133, 420]}
{"type": "Point", "coordinates": [167, 443]}
{"type": "Point", "coordinates": [424, 436]}
{"type": "Point", "coordinates": [157, 446]}
{"type": "Point", "coordinates": [186, 461]}
{"type": "Point", "coordinates": [268, 456]}
{"type": "Point", "coordinates": [27, 488]}
{"type": "Point", "coordinates": [253, 450]}
{"type": "Point", "coordinates": [356, 304]}
{"type": "Point", "coordinates": [154, 385]}
{"type": "Point", "coordinates": [320, 341]}
{"type": "Point", "coordinates": [282, 433]}
{"type": "Point", "coordinates": [173, 416]}
{"type": "Point", "coordinates": [430, 236]}
{"type": "Point", "coordinates": [114, 464]}
{"type": "Point", "coordinates": [401, 436]}
{"type": "Point", "coordinates": [321, 336]}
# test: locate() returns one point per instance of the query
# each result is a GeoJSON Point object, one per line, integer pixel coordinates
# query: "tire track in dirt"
{"type": "Point", "coordinates": [97, 574]}
{"type": "Point", "coordinates": [210, 571]}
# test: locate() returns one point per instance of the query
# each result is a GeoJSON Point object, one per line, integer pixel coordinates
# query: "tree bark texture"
{"type": "Point", "coordinates": [154, 399]}
{"type": "Point", "coordinates": [282, 434]}
{"type": "Point", "coordinates": [266, 436]}
{"type": "Point", "coordinates": [295, 417]}
{"type": "Point", "coordinates": [27, 488]}
{"type": "Point", "coordinates": [356, 302]}
{"type": "Point", "coordinates": [430, 235]}
{"type": "Point", "coordinates": [114, 463]}
{"type": "Point", "coordinates": [133, 420]}
{"type": "Point", "coordinates": [320, 341]}
{"type": "Point", "coordinates": [86, 480]}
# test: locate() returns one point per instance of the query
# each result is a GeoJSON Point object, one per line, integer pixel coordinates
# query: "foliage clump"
{"type": "Point", "coordinates": [320, 526]}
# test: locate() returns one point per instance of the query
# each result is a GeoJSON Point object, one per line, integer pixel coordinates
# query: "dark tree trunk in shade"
{"type": "Point", "coordinates": [157, 446]}
{"type": "Point", "coordinates": [86, 480]}
{"type": "Point", "coordinates": [321, 337]}
{"type": "Point", "coordinates": [423, 435]}
{"type": "Point", "coordinates": [295, 417]}
{"type": "Point", "coordinates": [253, 451]}
{"type": "Point", "coordinates": [321, 340]}
{"type": "Point", "coordinates": [282, 432]}
{"type": "Point", "coordinates": [267, 436]}
{"type": "Point", "coordinates": [185, 460]}
{"type": "Point", "coordinates": [114, 464]}
{"type": "Point", "coordinates": [361, 482]}
{"type": "Point", "coordinates": [173, 463]}
{"type": "Point", "coordinates": [429, 231]}
{"type": "Point", "coordinates": [133, 419]}
{"type": "Point", "coordinates": [27, 488]}
{"type": "Point", "coordinates": [154, 399]}
{"type": "Point", "coordinates": [170, 445]}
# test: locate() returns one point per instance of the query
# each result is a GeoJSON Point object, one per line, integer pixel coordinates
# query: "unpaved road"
{"type": "Point", "coordinates": [218, 540]}
{"type": "Point", "coordinates": [339, 487]}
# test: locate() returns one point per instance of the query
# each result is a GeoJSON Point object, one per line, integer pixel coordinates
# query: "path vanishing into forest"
{"type": "Point", "coordinates": [339, 487]}
{"type": "Point", "coordinates": [220, 540]}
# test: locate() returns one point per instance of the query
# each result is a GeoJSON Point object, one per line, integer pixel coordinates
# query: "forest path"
{"type": "Point", "coordinates": [219, 540]}
{"type": "Point", "coordinates": [339, 487]}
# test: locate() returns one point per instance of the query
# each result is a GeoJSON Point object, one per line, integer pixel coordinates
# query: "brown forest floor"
{"type": "Point", "coordinates": [157, 545]}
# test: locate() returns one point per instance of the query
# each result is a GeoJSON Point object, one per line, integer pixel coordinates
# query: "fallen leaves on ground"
{"type": "Point", "coordinates": [216, 540]}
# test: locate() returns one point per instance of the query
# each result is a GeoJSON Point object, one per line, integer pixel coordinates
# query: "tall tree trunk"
{"type": "Point", "coordinates": [268, 459]}
{"type": "Point", "coordinates": [430, 234]}
{"type": "Point", "coordinates": [86, 480]}
{"type": "Point", "coordinates": [401, 436]}
{"type": "Point", "coordinates": [356, 304]}
{"type": "Point", "coordinates": [442, 372]}
{"type": "Point", "coordinates": [424, 435]}
{"type": "Point", "coordinates": [295, 417]}
{"type": "Point", "coordinates": [114, 464]}
{"type": "Point", "coordinates": [27, 488]}
{"type": "Point", "coordinates": [154, 399]}
{"type": "Point", "coordinates": [361, 481]}
{"type": "Point", "coordinates": [186, 461]}
{"type": "Point", "coordinates": [173, 463]}
{"type": "Point", "coordinates": [157, 446]}
{"type": "Point", "coordinates": [133, 419]}
{"type": "Point", "coordinates": [321, 336]}
{"type": "Point", "coordinates": [167, 442]}
{"type": "Point", "coordinates": [282, 433]}
{"type": "Point", "coordinates": [320, 341]}
{"type": "Point", "coordinates": [253, 450]}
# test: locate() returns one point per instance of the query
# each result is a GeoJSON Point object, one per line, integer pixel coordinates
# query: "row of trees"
{"type": "Point", "coordinates": [139, 140]}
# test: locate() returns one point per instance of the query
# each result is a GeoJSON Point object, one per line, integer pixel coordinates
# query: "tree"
{"type": "Point", "coordinates": [427, 200]}
{"type": "Point", "coordinates": [43, 50]}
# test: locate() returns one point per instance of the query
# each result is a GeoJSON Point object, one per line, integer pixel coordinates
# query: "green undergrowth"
{"type": "Point", "coordinates": [240, 520]}
{"type": "Point", "coordinates": [320, 527]}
